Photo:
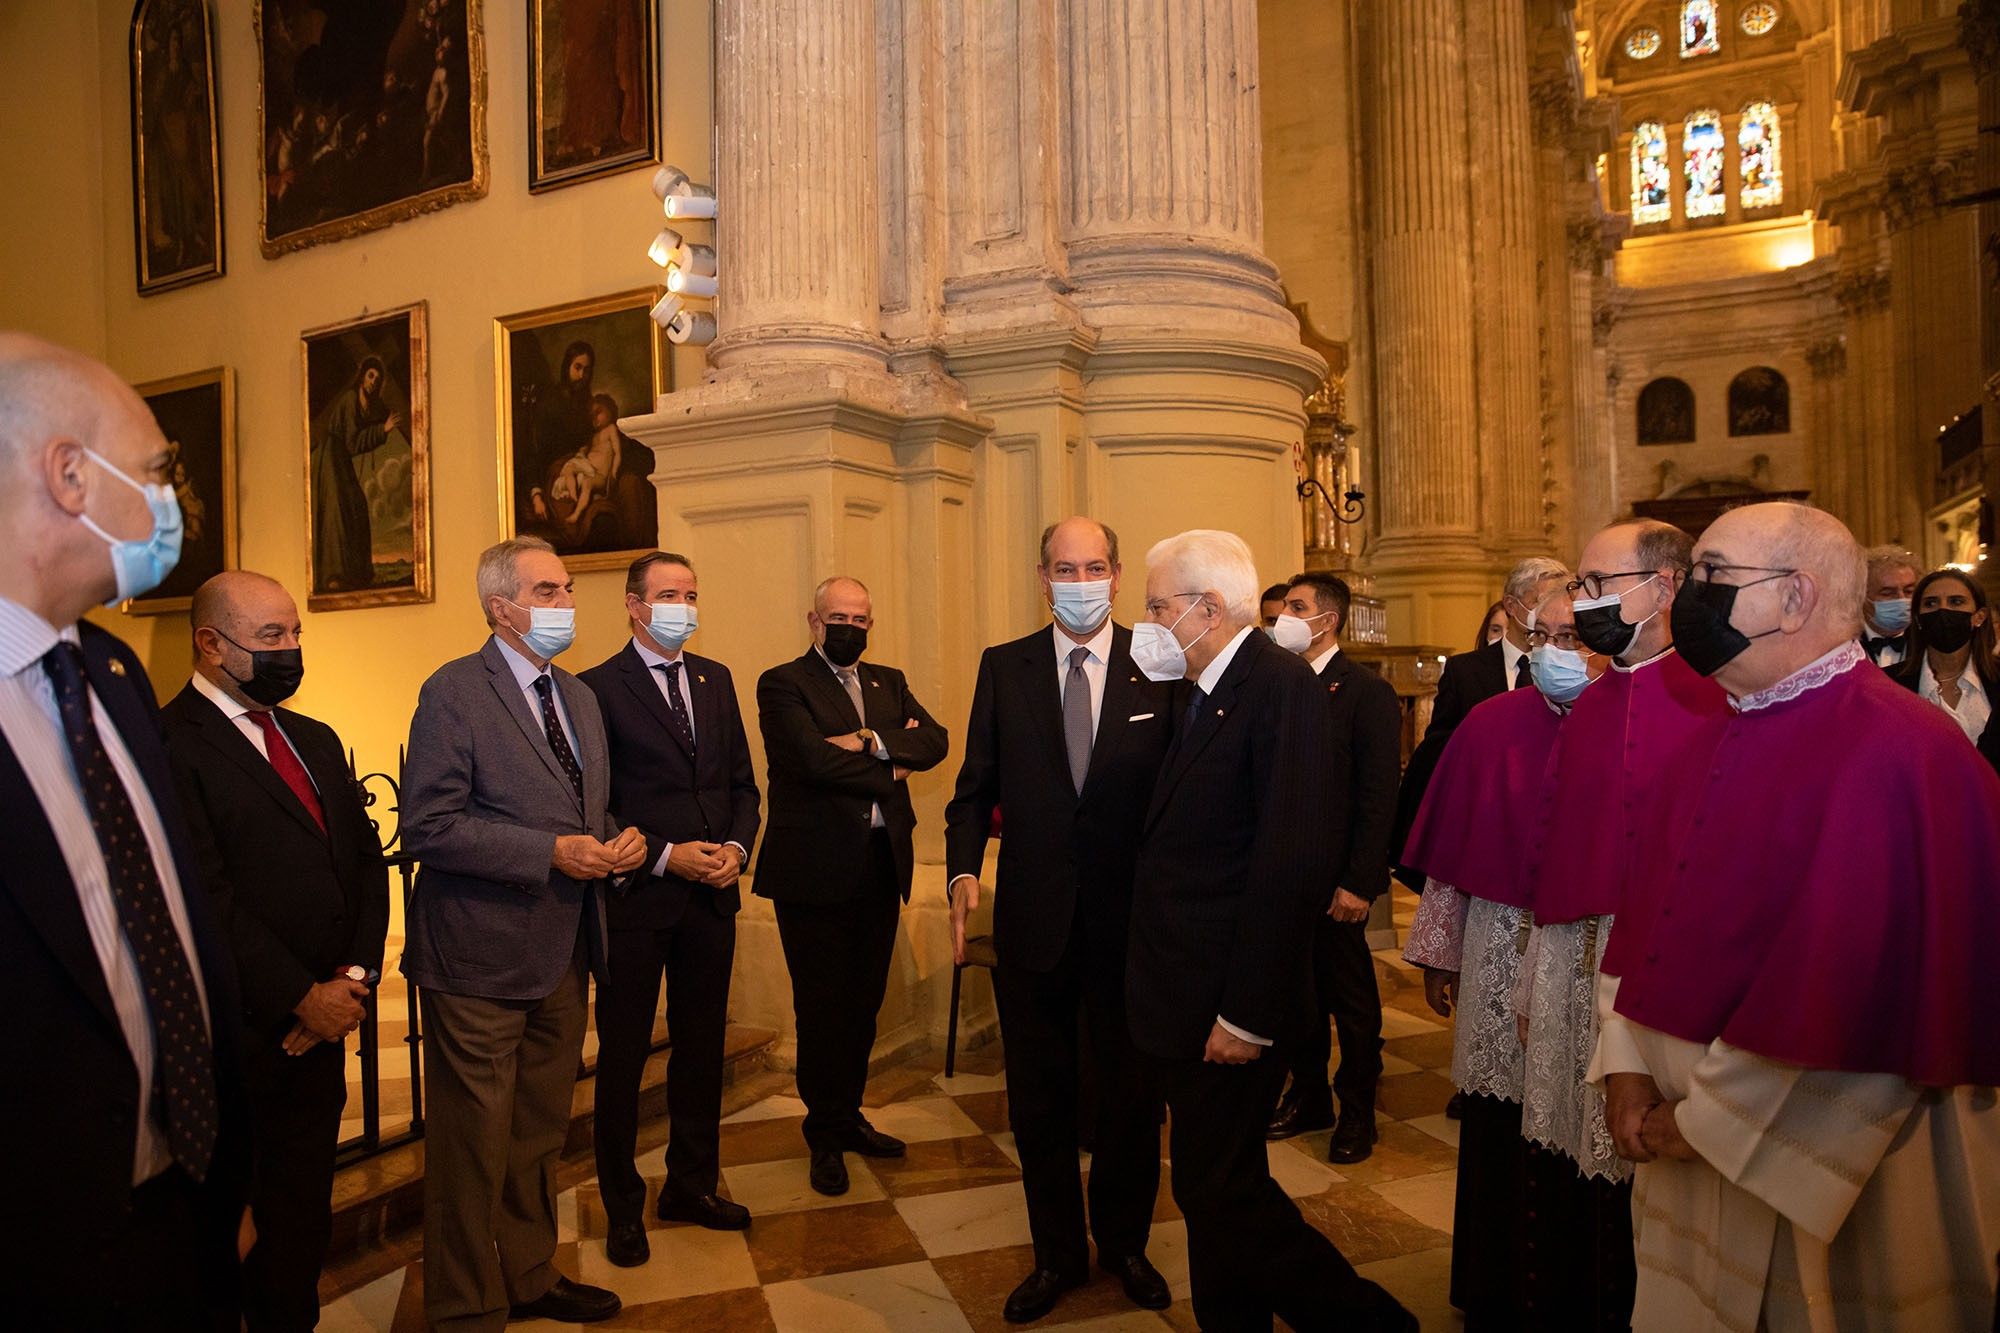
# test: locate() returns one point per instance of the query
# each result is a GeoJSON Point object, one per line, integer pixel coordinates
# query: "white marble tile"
{"type": "Point", "coordinates": [1298, 1168]}
{"type": "Point", "coordinates": [1166, 1247]}
{"type": "Point", "coordinates": [372, 1309]}
{"type": "Point", "coordinates": [686, 1261]}
{"type": "Point", "coordinates": [906, 1298]}
{"type": "Point", "coordinates": [1132, 1321]}
{"type": "Point", "coordinates": [1397, 1023]}
{"type": "Point", "coordinates": [771, 1108]}
{"type": "Point", "coordinates": [1429, 1198]}
{"type": "Point", "coordinates": [1440, 1127]}
{"type": "Point", "coordinates": [923, 1120]}
{"type": "Point", "coordinates": [983, 1218]}
{"type": "Point", "coordinates": [1422, 1282]}
{"type": "Point", "coordinates": [1005, 1143]}
{"type": "Point", "coordinates": [967, 1084]}
{"type": "Point", "coordinates": [782, 1187]}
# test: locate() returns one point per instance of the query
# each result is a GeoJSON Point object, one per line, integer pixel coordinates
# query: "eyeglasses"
{"type": "Point", "coordinates": [1564, 639]}
{"type": "Point", "coordinates": [1705, 571]}
{"type": "Point", "coordinates": [1593, 584]}
{"type": "Point", "coordinates": [1158, 605]}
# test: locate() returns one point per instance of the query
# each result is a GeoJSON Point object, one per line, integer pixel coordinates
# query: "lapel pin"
{"type": "Point", "coordinates": [702, 680]}
{"type": "Point", "coordinates": [117, 667]}
{"type": "Point", "coordinates": [875, 684]}
{"type": "Point", "coordinates": [1218, 712]}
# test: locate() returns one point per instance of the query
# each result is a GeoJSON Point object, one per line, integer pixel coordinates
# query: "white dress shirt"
{"type": "Point", "coordinates": [1095, 665]}
{"type": "Point", "coordinates": [653, 657]}
{"type": "Point", "coordinates": [1207, 681]}
{"type": "Point", "coordinates": [1510, 660]}
{"type": "Point", "coordinates": [240, 715]}
{"type": "Point", "coordinates": [32, 726]}
{"type": "Point", "coordinates": [1974, 708]}
{"type": "Point", "coordinates": [1318, 664]}
{"type": "Point", "coordinates": [526, 673]}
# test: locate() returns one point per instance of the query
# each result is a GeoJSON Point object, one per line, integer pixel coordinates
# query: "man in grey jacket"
{"type": "Point", "coordinates": [504, 804]}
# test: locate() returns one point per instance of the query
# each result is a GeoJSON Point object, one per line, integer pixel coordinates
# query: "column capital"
{"type": "Point", "coordinates": [1827, 358]}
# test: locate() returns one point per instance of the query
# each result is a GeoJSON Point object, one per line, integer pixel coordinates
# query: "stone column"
{"type": "Point", "coordinates": [1429, 562]}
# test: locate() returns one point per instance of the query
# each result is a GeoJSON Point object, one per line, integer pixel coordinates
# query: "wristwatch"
{"type": "Point", "coordinates": [867, 740]}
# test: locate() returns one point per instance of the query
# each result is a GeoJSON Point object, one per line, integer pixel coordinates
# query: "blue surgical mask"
{"type": "Point", "coordinates": [673, 624]}
{"type": "Point", "coordinates": [1559, 673]}
{"type": "Point", "coordinates": [141, 566]}
{"type": "Point", "coordinates": [1081, 607]}
{"type": "Point", "coordinates": [550, 629]}
{"type": "Point", "coordinates": [1892, 616]}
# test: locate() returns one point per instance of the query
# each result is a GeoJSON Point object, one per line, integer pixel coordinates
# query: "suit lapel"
{"type": "Point", "coordinates": [1044, 694]}
{"type": "Point", "coordinates": [1121, 689]}
{"type": "Point", "coordinates": [1207, 722]}
{"type": "Point", "coordinates": [227, 739]}
{"type": "Point", "coordinates": [641, 680]}
{"type": "Point", "coordinates": [39, 876]}
{"type": "Point", "coordinates": [329, 772]}
{"type": "Point", "coordinates": [515, 700]}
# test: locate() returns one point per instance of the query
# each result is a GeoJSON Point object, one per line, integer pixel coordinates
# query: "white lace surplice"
{"type": "Point", "coordinates": [1482, 942]}
{"type": "Point", "coordinates": [1560, 1108]}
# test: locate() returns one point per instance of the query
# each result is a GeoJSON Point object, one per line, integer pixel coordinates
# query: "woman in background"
{"type": "Point", "coordinates": [1951, 660]}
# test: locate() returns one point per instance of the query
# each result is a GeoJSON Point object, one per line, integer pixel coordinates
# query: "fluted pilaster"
{"type": "Point", "coordinates": [1429, 459]}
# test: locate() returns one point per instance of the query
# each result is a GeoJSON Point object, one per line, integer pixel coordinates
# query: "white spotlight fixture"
{"type": "Point", "coordinates": [664, 247]}
{"type": "Point", "coordinates": [690, 327]}
{"type": "Point", "coordinates": [681, 197]}
{"type": "Point", "coordinates": [690, 268]}
{"type": "Point", "coordinates": [666, 309]}
{"type": "Point", "coordinates": [687, 282]}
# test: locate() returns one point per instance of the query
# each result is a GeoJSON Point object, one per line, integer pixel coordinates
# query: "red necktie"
{"type": "Point", "coordinates": [289, 768]}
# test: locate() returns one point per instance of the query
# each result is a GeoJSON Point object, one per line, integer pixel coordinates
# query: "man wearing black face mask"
{"type": "Point", "coordinates": [841, 738]}
{"type": "Point", "coordinates": [296, 872]}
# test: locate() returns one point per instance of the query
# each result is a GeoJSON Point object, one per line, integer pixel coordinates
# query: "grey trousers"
{"type": "Point", "coordinates": [498, 1078]}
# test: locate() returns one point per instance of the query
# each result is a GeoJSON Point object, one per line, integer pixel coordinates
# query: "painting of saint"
{"type": "Point", "coordinates": [176, 188]}
{"type": "Point", "coordinates": [593, 90]}
{"type": "Point", "coordinates": [569, 474]}
{"type": "Point", "coordinates": [368, 462]}
{"type": "Point", "coordinates": [373, 111]}
{"type": "Point", "coordinates": [197, 414]}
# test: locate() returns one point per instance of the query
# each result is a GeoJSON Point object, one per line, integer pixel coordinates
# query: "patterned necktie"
{"type": "Point", "coordinates": [1523, 678]}
{"type": "Point", "coordinates": [682, 726]}
{"type": "Point", "coordinates": [289, 768]}
{"type": "Point", "coordinates": [850, 680]}
{"type": "Point", "coordinates": [552, 725]}
{"type": "Point", "coordinates": [183, 1060]}
{"type": "Point", "coordinates": [1077, 730]}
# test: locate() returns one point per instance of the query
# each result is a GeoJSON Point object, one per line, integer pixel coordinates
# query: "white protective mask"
{"type": "Point", "coordinates": [1157, 652]}
{"type": "Point", "coordinates": [1291, 633]}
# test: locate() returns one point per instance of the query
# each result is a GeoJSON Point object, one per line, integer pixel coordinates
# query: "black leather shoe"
{"type": "Point", "coordinates": [1455, 1108]}
{"type": "Point", "coordinates": [1300, 1113]}
{"type": "Point", "coordinates": [569, 1302]}
{"type": "Point", "coordinates": [704, 1210]}
{"type": "Point", "coordinates": [1037, 1295]}
{"type": "Point", "coordinates": [869, 1141]}
{"type": "Point", "coordinates": [1144, 1286]}
{"type": "Point", "coordinates": [626, 1245]}
{"type": "Point", "coordinates": [1351, 1145]}
{"type": "Point", "coordinates": [829, 1171]}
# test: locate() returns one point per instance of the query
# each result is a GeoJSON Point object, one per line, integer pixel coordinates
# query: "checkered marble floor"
{"type": "Point", "coordinates": [937, 1239]}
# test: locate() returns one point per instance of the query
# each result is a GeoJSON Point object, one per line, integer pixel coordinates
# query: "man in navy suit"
{"type": "Point", "coordinates": [680, 774]}
{"type": "Point", "coordinates": [123, 1107]}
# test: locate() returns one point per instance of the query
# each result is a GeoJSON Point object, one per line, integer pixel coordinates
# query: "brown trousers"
{"type": "Point", "coordinates": [498, 1077]}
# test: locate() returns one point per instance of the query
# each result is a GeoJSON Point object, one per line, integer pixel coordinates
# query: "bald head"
{"type": "Point", "coordinates": [235, 614]}
{"type": "Point", "coordinates": [1801, 578]}
{"type": "Point", "coordinates": [235, 596]}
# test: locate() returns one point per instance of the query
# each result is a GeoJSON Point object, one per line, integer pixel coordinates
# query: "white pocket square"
{"type": "Point", "coordinates": [1138, 717]}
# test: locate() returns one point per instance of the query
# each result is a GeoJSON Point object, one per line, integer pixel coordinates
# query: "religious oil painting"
{"type": "Point", "coordinates": [593, 90]}
{"type": "Point", "coordinates": [565, 375]}
{"type": "Point", "coordinates": [370, 111]}
{"type": "Point", "coordinates": [176, 182]}
{"type": "Point", "coordinates": [367, 427]}
{"type": "Point", "coordinates": [1666, 412]}
{"type": "Point", "coordinates": [197, 415]}
{"type": "Point", "coordinates": [1760, 403]}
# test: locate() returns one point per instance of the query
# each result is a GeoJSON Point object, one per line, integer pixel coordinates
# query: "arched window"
{"type": "Point", "coordinates": [1760, 403]}
{"type": "Point", "coordinates": [1758, 161]}
{"type": "Point", "coordinates": [1666, 412]}
{"type": "Point", "coordinates": [1698, 29]}
{"type": "Point", "coordinates": [1651, 177]}
{"type": "Point", "coordinates": [1701, 154]}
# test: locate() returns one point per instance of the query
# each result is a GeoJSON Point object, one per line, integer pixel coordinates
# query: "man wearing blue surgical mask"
{"type": "Point", "coordinates": [120, 993]}
{"type": "Point", "coordinates": [1065, 739]}
{"type": "Point", "coordinates": [680, 773]}
{"type": "Point", "coordinates": [1885, 615]}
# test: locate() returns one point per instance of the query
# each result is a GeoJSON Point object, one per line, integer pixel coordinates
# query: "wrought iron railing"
{"type": "Point", "coordinates": [371, 1140]}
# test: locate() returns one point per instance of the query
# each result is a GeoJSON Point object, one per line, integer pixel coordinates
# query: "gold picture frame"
{"type": "Point", "coordinates": [197, 414]}
{"type": "Point", "coordinates": [176, 170]}
{"type": "Point", "coordinates": [368, 475]}
{"type": "Point", "coordinates": [340, 155]}
{"type": "Point", "coordinates": [602, 115]}
{"type": "Point", "coordinates": [565, 474]}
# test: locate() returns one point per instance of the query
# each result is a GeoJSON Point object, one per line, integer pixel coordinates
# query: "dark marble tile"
{"type": "Point", "coordinates": [1429, 1050]}
{"type": "Point", "coordinates": [1404, 1096]}
{"type": "Point", "coordinates": [981, 1281]}
{"type": "Point", "coordinates": [900, 1084]}
{"type": "Point", "coordinates": [763, 1140]}
{"type": "Point", "coordinates": [988, 1110]}
{"type": "Point", "coordinates": [743, 1310]}
{"type": "Point", "coordinates": [942, 1165]}
{"type": "Point", "coordinates": [1365, 1226]}
{"type": "Point", "coordinates": [1400, 1151]}
{"type": "Point", "coordinates": [818, 1241]}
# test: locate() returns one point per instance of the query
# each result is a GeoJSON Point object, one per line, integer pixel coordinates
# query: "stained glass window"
{"type": "Point", "coordinates": [1642, 42]}
{"type": "Point", "coordinates": [1701, 161]}
{"type": "Point", "coordinates": [1651, 182]}
{"type": "Point", "coordinates": [1757, 160]}
{"type": "Point", "coordinates": [1758, 19]}
{"type": "Point", "coordinates": [1698, 34]}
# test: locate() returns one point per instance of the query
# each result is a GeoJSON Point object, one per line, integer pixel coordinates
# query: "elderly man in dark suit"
{"type": "Point", "coordinates": [298, 879]}
{"type": "Point", "coordinates": [123, 1108]}
{"type": "Point", "coordinates": [680, 773]}
{"type": "Point", "coordinates": [1231, 873]}
{"type": "Point", "coordinates": [841, 738]}
{"type": "Point", "coordinates": [1366, 737]}
{"type": "Point", "coordinates": [1067, 736]}
{"type": "Point", "coordinates": [505, 804]}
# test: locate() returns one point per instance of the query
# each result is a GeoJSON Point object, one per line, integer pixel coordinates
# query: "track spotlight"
{"type": "Point", "coordinates": [664, 247]}
{"type": "Point", "coordinates": [665, 309]}
{"type": "Point", "coordinates": [687, 282]}
{"type": "Point", "coordinates": [692, 201]}
{"type": "Point", "coordinates": [690, 327]}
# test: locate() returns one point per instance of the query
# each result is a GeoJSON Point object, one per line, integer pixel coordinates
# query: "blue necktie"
{"type": "Point", "coordinates": [1195, 701]}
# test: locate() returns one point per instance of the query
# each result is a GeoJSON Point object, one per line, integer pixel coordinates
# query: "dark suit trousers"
{"type": "Point", "coordinates": [1344, 979]}
{"type": "Point", "coordinates": [295, 1104]}
{"type": "Point", "coordinates": [696, 953]}
{"type": "Point", "coordinates": [1039, 1024]}
{"type": "Point", "coordinates": [838, 955]}
{"type": "Point", "coordinates": [1250, 1253]}
{"type": "Point", "coordinates": [165, 1266]}
{"type": "Point", "coordinates": [498, 1075]}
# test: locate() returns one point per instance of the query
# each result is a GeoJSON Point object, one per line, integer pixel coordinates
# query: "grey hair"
{"type": "Point", "coordinates": [1207, 560]}
{"type": "Point", "coordinates": [497, 576]}
{"type": "Point", "coordinates": [1525, 580]}
{"type": "Point", "coordinates": [826, 585]}
{"type": "Point", "coordinates": [1884, 558]}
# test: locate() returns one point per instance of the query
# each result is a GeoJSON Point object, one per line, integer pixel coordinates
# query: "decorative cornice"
{"type": "Point", "coordinates": [1859, 292]}
{"type": "Point", "coordinates": [1979, 34]}
{"type": "Point", "coordinates": [1827, 358]}
{"type": "Point", "coordinates": [1553, 100]}
{"type": "Point", "coordinates": [1919, 191]}
{"type": "Point", "coordinates": [1586, 245]}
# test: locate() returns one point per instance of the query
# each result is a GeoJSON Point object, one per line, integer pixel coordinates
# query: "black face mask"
{"type": "Point", "coordinates": [844, 644]}
{"type": "Point", "coordinates": [1703, 635]}
{"type": "Point", "coordinates": [275, 673]}
{"type": "Point", "coordinates": [1603, 629]}
{"type": "Point", "coordinates": [1946, 630]}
